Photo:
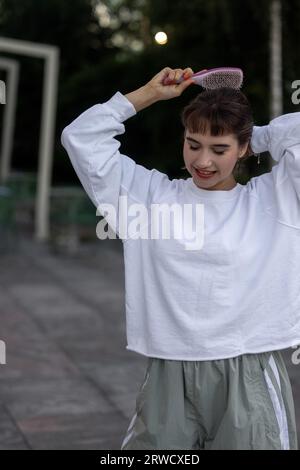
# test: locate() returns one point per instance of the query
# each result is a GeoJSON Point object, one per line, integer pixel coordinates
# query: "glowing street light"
{"type": "Point", "coordinates": [161, 38]}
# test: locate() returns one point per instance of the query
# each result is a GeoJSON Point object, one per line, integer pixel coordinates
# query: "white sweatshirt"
{"type": "Point", "coordinates": [240, 292]}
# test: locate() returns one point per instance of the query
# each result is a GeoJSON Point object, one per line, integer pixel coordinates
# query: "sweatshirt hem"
{"type": "Point", "coordinates": [289, 344]}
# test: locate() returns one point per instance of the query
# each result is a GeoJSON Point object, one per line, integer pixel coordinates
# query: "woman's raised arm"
{"type": "Point", "coordinates": [103, 171]}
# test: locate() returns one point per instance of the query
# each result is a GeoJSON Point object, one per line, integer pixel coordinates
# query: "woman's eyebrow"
{"type": "Point", "coordinates": [213, 145]}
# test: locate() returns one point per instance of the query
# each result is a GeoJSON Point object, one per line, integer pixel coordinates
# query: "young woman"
{"type": "Point", "coordinates": [211, 316]}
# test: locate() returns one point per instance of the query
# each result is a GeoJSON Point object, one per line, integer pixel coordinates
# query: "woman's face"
{"type": "Point", "coordinates": [207, 153]}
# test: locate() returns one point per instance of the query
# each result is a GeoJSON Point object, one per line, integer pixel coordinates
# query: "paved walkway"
{"type": "Point", "coordinates": [69, 382]}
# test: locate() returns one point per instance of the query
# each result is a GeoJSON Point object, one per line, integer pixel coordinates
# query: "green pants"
{"type": "Point", "coordinates": [244, 402]}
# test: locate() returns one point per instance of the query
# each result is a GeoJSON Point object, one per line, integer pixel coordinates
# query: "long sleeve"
{"type": "Point", "coordinates": [282, 139]}
{"type": "Point", "coordinates": [103, 171]}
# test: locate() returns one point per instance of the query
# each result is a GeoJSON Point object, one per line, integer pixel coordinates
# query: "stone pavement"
{"type": "Point", "coordinates": [69, 382]}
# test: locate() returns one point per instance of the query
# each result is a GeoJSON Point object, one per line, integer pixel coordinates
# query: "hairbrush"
{"type": "Point", "coordinates": [229, 77]}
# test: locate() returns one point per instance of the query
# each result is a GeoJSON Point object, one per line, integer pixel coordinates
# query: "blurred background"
{"type": "Point", "coordinates": [68, 381]}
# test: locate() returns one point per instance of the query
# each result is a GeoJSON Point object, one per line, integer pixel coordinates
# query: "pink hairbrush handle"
{"type": "Point", "coordinates": [167, 81]}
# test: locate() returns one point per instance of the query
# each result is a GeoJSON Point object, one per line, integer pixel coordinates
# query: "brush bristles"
{"type": "Point", "coordinates": [221, 79]}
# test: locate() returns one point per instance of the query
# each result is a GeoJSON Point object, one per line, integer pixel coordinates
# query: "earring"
{"type": "Point", "coordinates": [183, 168]}
{"type": "Point", "coordinates": [258, 157]}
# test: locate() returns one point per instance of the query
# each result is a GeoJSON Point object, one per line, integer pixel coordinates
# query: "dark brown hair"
{"type": "Point", "coordinates": [221, 111]}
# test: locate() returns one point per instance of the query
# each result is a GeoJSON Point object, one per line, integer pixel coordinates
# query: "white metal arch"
{"type": "Point", "coordinates": [12, 68]}
{"type": "Point", "coordinates": [49, 105]}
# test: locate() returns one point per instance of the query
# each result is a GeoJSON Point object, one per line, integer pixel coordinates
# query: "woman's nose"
{"type": "Point", "coordinates": [204, 163]}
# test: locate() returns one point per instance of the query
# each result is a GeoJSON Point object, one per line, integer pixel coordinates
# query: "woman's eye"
{"type": "Point", "coordinates": [196, 148]}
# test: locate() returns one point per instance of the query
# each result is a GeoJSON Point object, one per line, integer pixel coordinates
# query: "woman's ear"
{"type": "Point", "coordinates": [247, 150]}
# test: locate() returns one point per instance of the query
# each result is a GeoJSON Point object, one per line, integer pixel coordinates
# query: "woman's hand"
{"type": "Point", "coordinates": [163, 85]}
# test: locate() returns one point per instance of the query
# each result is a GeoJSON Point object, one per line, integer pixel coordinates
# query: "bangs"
{"type": "Point", "coordinates": [219, 112]}
{"type": "Point", "coordinates": [210, 121]}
